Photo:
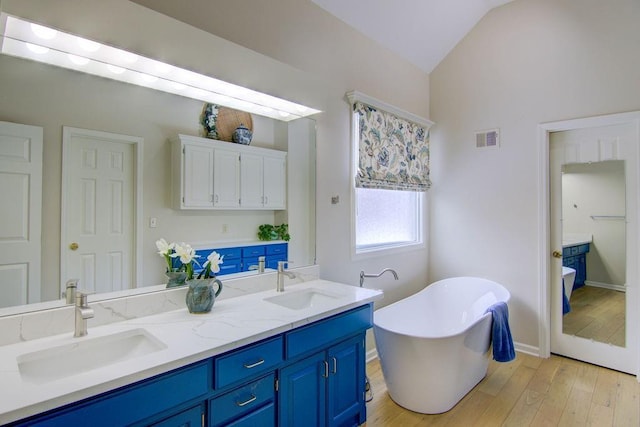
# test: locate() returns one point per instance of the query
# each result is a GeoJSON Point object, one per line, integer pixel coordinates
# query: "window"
{"type": "Point", "coordinates": [387, 219]}
{"type": "Point", "coordinates": [391, 171]}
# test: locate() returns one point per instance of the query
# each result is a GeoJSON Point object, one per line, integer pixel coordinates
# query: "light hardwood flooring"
{"type": "Point", "coordinates": [528, 391]}
{"type": "Point", "coordinates": [598, 314]}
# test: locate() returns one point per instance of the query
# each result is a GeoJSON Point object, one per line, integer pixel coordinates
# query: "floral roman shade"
{"type": "Point", "coordinates": [393, 152]}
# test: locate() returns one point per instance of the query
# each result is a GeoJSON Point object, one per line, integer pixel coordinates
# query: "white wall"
{"type": "Point", "coordinates": [335, 59]}
{"type": "Point", "coordinates": [525, 63]}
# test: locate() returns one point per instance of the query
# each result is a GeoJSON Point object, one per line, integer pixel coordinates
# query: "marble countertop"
{"type": "Point", "coordinates": [188, 338]}
{"type": "Point", "coordinates": [575, 240]}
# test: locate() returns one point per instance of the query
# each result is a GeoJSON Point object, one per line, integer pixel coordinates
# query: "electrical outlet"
{"type": "Point", "coordinates": [225, 228]}
{"type": "Point", "coordinates": [153, 222]}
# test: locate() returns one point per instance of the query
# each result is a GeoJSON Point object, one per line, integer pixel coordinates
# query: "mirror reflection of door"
{"type": "Point", "coordinates": [20, 229]}
{"type": "Point", "coordinates": [593, 180]}
{"type": "Point", "coordinates": [594, 245]}
{"type": "Point", "coordinates": [99, 210]}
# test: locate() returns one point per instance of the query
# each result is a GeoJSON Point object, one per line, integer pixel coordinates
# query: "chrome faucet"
{"type": "Point", "coordinates": [260, 266]}
{"type": "Point", "coordinates": [70, 291]}
{"type": "Point", "coordinates": [281, 274]}
{"type": "Point", "coordinates": [363, 275]}
{"type": "Point", "coordinates": [83, 312]}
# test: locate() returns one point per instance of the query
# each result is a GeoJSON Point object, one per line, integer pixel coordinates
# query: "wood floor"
{"type": "Point", "coordinates": [529, 391]}
{"type": "Point", "coordinates": [598, 314]}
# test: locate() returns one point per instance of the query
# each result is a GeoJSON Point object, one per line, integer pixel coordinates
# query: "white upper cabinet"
{"type": "Point", "coordinates": [275, 182]}
{"type": "Point", "coordinates": [226, 178]}
{"type": "Point", "coordinates": [209, 174]}
{"type": "Point", "coordinates": [251, 181]}
{"type": "Point", "coordinates": [197, 177]}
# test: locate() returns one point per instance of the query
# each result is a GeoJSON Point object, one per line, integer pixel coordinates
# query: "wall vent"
{"type": "Point", "coordinates": [488, 138]}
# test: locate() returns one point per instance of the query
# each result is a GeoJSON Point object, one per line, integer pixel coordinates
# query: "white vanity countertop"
{"type": "Point", "coordinates": [569, 240]}
{"type": "Point", "coordinates": [232, 323]}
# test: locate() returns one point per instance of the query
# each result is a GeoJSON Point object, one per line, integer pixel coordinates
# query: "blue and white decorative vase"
{"type": "Point", "coordinates": [209, 120]}
{"type": "Point", "coordinates": [242, 135]}
{"type": "Point", "coordinates": [200, 296]}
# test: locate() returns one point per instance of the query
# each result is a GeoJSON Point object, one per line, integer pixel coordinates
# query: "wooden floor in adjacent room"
{"type": "Point", "coordinates": [598, 314]}
{"type": "Point", "coordinates": [529, 391]}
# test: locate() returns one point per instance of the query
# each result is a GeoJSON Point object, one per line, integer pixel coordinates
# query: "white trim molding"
{"type": "Point", "coordinates": [355, 96]}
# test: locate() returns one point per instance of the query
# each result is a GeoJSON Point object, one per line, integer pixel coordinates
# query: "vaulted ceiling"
{"type": "Point", "coordinates": [421, 31]}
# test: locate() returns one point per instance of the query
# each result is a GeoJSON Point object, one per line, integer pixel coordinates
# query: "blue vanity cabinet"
{"type": "Point", "coordinates": [160, 398]}
{"type": "Point", "coordinates": [576, 257]}
{"type": "Point", "coordinates": [325, 386]}
{"type": "Point", "coordinates": [311, 375]}
{"type": "Point", "coordinates": [325, 389]}
{"type": "Point", "coordinates": [242, 258]}
{"type": "Point", "coordinates": [276, 252]}
{"type": "Point", "coordinates": [192, 417]}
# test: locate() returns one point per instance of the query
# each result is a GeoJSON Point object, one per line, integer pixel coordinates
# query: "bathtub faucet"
{"type": "Point", "coordinates": [363, 275]}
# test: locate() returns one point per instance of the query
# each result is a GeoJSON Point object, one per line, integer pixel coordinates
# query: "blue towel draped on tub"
{"type": "Point", "coordinates": [503, 349]}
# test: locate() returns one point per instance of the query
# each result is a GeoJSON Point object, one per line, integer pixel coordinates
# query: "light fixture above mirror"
{"type": "Point", "coordinates": [43, 44]}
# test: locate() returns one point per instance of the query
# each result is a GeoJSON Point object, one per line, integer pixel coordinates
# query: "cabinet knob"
{"type": "Point", "coordinates": [557, 254]}
{"type": "Point", "coordinates": [74, 246]}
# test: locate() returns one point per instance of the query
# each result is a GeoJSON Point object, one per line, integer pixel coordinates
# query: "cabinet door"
{"type": "Point", "coordinates": [275, 182]}
{"type": "Point", "coordinates": [302, 400]}
{"type": "Point", "coordinates": [345, 394]}
{"type": "Point", "coordinates": [226, 179]}
{"type": "Point", "coordinates": [251, 172]}
{"type": "Point", "coordinates": [197, 191]}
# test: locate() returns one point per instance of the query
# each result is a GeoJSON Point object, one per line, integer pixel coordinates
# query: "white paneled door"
{"type": "Point", "coordinates": [588, 143]}
{"type": "Point", "coordinates": [21, 209]}
{"type": "Point", "coordinates": [98, 209]}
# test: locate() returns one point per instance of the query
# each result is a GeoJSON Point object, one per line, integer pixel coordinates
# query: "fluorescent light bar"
{"type": "Point", "coordinates": [43, 44]}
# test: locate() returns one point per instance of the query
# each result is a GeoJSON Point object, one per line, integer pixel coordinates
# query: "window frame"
{"type": "Point", "coordinates": [382, 249]}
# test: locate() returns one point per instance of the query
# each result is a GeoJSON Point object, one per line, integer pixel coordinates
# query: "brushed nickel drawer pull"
{"type": "Point", "coordinates": [246, 402]}
{"type": "Point", "coordinates": [326, 369]}
{"type": "Point", "coordinates": [253, 365]}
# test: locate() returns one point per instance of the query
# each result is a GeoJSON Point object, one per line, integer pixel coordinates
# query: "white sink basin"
{"type": "Point", "coordinates": [305, 298]}
{"type": "Point", "coordinates": [86, 354]}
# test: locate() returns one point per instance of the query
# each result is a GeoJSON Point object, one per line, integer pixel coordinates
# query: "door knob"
{"type": "Point", "coordinates": [557, 254]}
{"type": "Point", "coordinates": [73, 246]}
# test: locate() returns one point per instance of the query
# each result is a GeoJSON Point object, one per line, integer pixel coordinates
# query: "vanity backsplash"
{"type": "Point", "coordinates": [40, 324]}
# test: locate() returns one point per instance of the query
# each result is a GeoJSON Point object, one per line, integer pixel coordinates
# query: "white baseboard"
{"type": "Point", "coordinates": [528, 349]}
{"type": "Point", "coordinates": [371, 355]}
{"type": "Point", "coordinates": [619, 288]}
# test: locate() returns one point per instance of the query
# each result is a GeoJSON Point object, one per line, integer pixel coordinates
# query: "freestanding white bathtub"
{"type": "Point", "coordinates": [434, 346]}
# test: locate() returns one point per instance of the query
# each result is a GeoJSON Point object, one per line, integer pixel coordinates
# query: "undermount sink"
{"type": "Point", "coordinates": [297, 300]}
{"type": "Point", "coordinates": [86, 354]}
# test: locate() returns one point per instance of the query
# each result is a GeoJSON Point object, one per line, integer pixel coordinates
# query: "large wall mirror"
{"type": "Point", "coordinates": [53, 98]}
{"type": "Point", "coordinates": [594, 226]}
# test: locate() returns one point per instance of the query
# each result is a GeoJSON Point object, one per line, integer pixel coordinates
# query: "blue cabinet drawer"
{"type": "Point", "coordinates": [230, 253]}
{"type": "Point", "coordinates": [134, 403]}
{"type": "Point", "coordinates": [272, 260]}
{"type": "Point", "coordinates": [228, 268]}
{"type": "Point", "coordinates": [276, 249]}
{"type": "Point", "coordinates": [242, 401]}
{"type": "Point", "coordinates": [252, 251]}
{"type": "Point", "coordinates": [320, 334]}
{"type": "Point", "coordinates": [243, 364]}
{"type": "Point", "coordinates": [263, 417]}
{"type": "Point", "coordinates": [247, 263]}
{"type": "Point", "coordinates": [583, 249]}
